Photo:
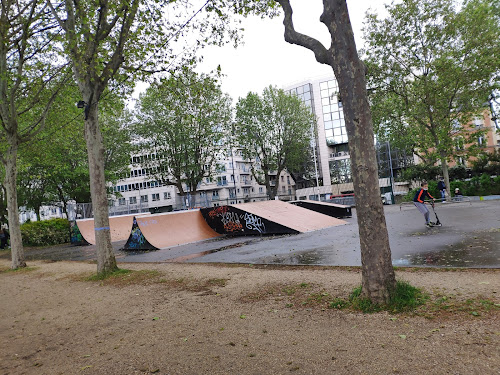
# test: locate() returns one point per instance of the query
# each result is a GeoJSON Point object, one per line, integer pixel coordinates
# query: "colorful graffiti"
{"type": "Point", "coordinates": [231, 221]}
{"type": "Point", "coordinates": [217, 211]}
{"type": "Point", "coordinates": [234, 221]}
{"type": "Point", "coordinates": [136, 240]}
{"type": "Point", "coordinates": [76, 237]}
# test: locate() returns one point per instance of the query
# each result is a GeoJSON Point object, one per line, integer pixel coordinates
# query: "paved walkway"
{"type": "Point", "coordinates": [469, 237]}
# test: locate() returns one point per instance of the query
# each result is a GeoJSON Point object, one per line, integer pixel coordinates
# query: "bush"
{"type": "Point", "coordinates": [45, 233]}
{"type": "Point", "coordinates": [458, 172]}
{"type": "Point", "coordinates": [433, 190]}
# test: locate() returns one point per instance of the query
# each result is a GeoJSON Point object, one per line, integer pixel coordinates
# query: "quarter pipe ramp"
{"type": "Point", "coordinates": [169, 229]}
{"type": "Point", "coordinates": [267, 217]}
{"type": "Point", "coordinates": [119, 226]}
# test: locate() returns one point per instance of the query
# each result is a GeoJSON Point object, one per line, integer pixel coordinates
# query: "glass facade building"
{"type": "Point", "coordinates": [322, 96]}
{"type": "Point", "coordinates": [333, 115]}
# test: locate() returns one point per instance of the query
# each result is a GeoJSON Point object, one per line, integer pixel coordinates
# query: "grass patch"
{"type": "Point", "coordinates": [125, 277]}
{"type": "Point", "coordinates": [405, 297]}
{"type": "Point", "coordinates": [450, 305]}
{"type": "Point", "coordinates": [18, 270]}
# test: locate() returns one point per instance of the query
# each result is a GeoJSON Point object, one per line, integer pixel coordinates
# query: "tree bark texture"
{"type": "Point", "coordinates": [378, 278]}
{"type": "Point", "coordinates": [16, 243]}
{"type": "Point", "coordinates": [106, 261]}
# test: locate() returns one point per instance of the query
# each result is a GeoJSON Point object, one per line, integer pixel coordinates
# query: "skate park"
{"type": "Point", "coordinates": [469, 237]}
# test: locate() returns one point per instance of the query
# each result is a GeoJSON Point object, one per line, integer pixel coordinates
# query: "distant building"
{"type": "Point", "coordinates": [331, 144]}
{"type": "Point", "coordinates": [332, 151]}
{"type": "Point", "coordinates": [232, 183]}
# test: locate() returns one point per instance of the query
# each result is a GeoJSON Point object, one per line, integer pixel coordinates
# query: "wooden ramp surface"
{"type": "Point", "coordinates": [175, 228]}
{"type": "Point", "coordinates": [289, 215]}
{"type": "Point", "coordinates": [119, 226]}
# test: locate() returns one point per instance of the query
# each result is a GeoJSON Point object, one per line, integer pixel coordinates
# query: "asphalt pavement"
{"type": "Point", "coordinates": [469, 237]}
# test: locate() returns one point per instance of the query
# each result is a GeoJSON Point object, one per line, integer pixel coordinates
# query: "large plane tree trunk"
{"type": "Point", "coordinates": [106, 261]}
{"type": "Point", "coordinates": [378, 277]}
{"type": "Point", "coordinates": [16, 243]}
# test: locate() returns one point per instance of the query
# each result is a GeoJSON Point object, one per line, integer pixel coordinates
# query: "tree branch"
{"type": "Point", "coordinates": [322, 55]}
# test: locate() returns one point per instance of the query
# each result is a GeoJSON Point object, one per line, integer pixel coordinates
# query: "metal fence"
{"type": "Point", "coordinates": [85, 211]}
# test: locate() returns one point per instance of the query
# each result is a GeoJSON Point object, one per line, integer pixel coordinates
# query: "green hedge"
{"type": "Point", "coordinates": [45, 232]}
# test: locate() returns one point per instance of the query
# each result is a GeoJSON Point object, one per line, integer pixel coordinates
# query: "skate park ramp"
{"type": "Point", "coordinates": [159, 231]}
{"type": "Point", "coordinates": [119, 226]}
{"type": "Point", "coordinates": [267, 217]}
{"type": "Point", "coordinates": [326, 208]}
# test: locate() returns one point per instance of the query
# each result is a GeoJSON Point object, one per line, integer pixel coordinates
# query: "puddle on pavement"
{"type": "Point", "coordinates": [308, 258]}
{"type": "Point", "coordinates": [480, 250]}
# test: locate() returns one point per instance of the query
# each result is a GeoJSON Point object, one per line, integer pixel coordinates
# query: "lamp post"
{"type": "Point", "coordinates": [392, 173]}
{"type": "Point", "coordinates": [315, 162]}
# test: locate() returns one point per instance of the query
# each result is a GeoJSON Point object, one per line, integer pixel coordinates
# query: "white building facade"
{"type": "Point", "coordinates": [232, 183]}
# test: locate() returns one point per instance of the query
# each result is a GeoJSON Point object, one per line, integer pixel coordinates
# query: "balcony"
{"type": "Point", "coordinates": [245, 182]}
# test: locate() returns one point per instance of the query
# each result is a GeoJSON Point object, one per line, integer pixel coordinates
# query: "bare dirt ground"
{"type": "Point", "coordinates": [220, 319]}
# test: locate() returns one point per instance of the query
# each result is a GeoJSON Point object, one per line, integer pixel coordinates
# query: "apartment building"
{"type": "Point", "coordinates": [231, 183]}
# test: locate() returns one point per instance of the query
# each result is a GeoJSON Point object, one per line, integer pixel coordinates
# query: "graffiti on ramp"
{"type": "Point", "coordinates": [136, 240]}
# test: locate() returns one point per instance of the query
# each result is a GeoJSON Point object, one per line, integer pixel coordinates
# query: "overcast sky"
{"type": "Point", "coordinates": [266, 59]}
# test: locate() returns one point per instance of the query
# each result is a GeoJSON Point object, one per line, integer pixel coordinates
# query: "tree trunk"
{"type": "Point", "coordinates": [16, 243]}
{"type": "Point", "coordinates": [38, 213]}
{"type": "Point", "coordinates": [378, 278]}
{"type": "Point", "coordinates": [446, 177]}
{"type": "Point", "coordinates": [106, 261]}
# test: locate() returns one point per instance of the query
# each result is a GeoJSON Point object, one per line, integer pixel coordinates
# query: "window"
{"type": "Point", "coordinates": [155, 197]}
{"type": "Point", "coordinates": [283, 188]}
{"type": "Point", "coordinates": [144, 198]}
{"type": "Point", "coordinates": [261, 189]}
{"type": "Point", "coordinates": [133, 200]}
{"type": "Point", "coordinates": [121, 202]}
{"type": "Point", "coordinates": [215, 194]}
{"type": "Point", "coordinates": [245, 191]}
{"type": "Point", "coordinates": [166, 195]}
{"type": "Point", "coordinates": [340, 171]}
{"type": "Point", "coordinates": [288, 179]}
{"type": "Point", "coordinates": [282, 178]}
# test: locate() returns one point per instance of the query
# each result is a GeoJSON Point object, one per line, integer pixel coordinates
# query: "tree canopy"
{"type": "Point", "coordinates": [110, 44]}
{"type": "Point", "coordinates": [432, 65]}
{"type": "Point", "coordinates": [273, 130]}
{"type": "Point", "coordinates": [31, 76]}
{"type": "Point", "coordinates": [183, 121]}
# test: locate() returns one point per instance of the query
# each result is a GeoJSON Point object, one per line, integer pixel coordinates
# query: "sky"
{"type": "Point", "coordinates": [266, 59]}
